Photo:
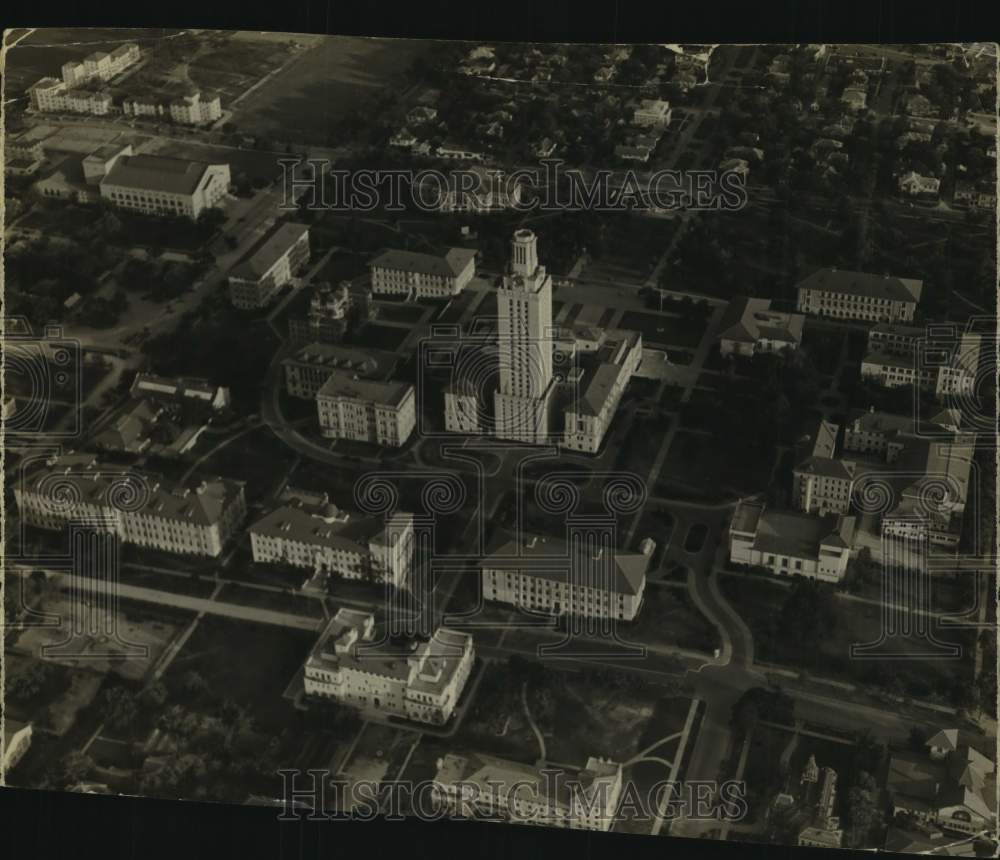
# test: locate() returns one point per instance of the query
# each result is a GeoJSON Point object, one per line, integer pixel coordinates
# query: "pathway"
{"type": "Point", "coordinates": [531, 722]}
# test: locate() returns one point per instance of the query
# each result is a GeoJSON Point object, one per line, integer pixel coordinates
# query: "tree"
{"type": "Point", "coordinates": [28, 685]}
{"type": "Point", "coordinates": [807, 616]}
{"type": "Point", "coordinates": [120, 708]}
{"type": "Point", "coordinates": [193, 684]}
{"type": "Point", "coordinates": [863, 812]}
{"type": "Point", "coordinates": [154, 696]}
{"type": "Point", "coordinates": [76, 767]}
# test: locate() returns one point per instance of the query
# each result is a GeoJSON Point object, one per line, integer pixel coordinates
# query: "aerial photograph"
{"type": "Point", "coordinates": [586, 436]}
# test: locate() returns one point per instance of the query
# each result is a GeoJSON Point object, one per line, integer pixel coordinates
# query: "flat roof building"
{"type": "Point", "coordinates": [478, 784]}
{"type": "Point", "coordinates": [181, 390]}
{"type": "Point", "coordinates": [357, 666]}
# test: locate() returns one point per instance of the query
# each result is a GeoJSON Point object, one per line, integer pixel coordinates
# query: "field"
{"type": "Point", "coordinates": [670, 618]}
{"type": "Point", "coordinates": [248, 163]}
{"type": "Point", "coordinates": [258, 457]}
{"type": "Point", "coordinates": [306, 99]}
{"type": "Point", "coordinates": [664, 330]}
{"type": "Point", "coordinates": [262, 659]}
{"type": "Point", "coordinates": [920, 673]}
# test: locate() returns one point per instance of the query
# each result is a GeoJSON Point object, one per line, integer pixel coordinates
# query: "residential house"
{"type": "Point", "coordinates": [914, 184]}
{"type": "Point", "coordinates": [951, 785]}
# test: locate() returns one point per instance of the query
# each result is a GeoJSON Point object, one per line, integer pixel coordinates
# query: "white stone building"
{"type": "Point", "coordinates": [843, 294]}
{"type": "Point", "coordinates": [476, 784]}
{"type": "Point", "coordinates": [142, 509]}
{"type": "Point", "coordinates": [522, 405]}
{"type": "Point", "coordinates": [269, 264]}
{"type": "Point", "coordinates": [159, 185]}
{"type": "Point", "coordinates": [422, 276]}
{"type": "Point", "coordinates": [365, 410]}
{"type": "Point", "coordinates": [546, 574]}
{"type": "Point", "coordinates": [601, 371]}
{"type": "Point", "coordinates": [790, 543]}
{"type": "Point", "coordinates": [422, 681]}
{"type": "Point", "coordinates": [306, 530]}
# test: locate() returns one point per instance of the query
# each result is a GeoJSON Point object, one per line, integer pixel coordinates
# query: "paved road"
{"type": "Point", "coordinates": [203, 605]}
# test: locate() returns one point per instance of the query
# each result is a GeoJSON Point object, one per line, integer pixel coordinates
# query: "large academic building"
{"type": "Point", "coordinates": [420, 681]}
{"type": "Point", "coordinates": [142, 509]}
{"type": "Point", "coordinates": [159, 185]}
{"type": "Point", "coordinates": [843, 294]}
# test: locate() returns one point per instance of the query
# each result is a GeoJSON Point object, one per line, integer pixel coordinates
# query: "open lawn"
{"type": "Point", "coordinates": [305, 101]}
{"type": "Point", "coordinates": [296, 604]}
{"type": "Point", "coordinates": [578, 715]}
{"type": "Point", "coordinates": [257, 457]}
{"type": "Point", "coordinates": [342, 266]}
{"type": "Point", "coordinates": [919, 674]}
{"type": "Point", "coordinates": [389, 338]}
{"type": "Point", "coordinates": [253, 164]}
{"type": "Point", "coordinates": [248, 663]}
{"type": "Point", "coordinates": [664, 329]}
{"type": "Point", "coordinates": [669, 618]}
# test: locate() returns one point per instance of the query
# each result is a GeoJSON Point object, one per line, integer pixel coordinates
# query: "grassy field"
{"type": "Point", "coordinates": [918, 674]}
{"type": "Point", "coordinates": [252, 164]}
{"type": "Point", "coordinates": [663, 330]}
{"type": "Point", "coordinates": [669, 618]}
{"type": "Point", "coordinates": [258, 457]}
{"type": "Point", "coordinates": [260, 660]}
{"type": "Point", "coordinates": [305, 100]}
